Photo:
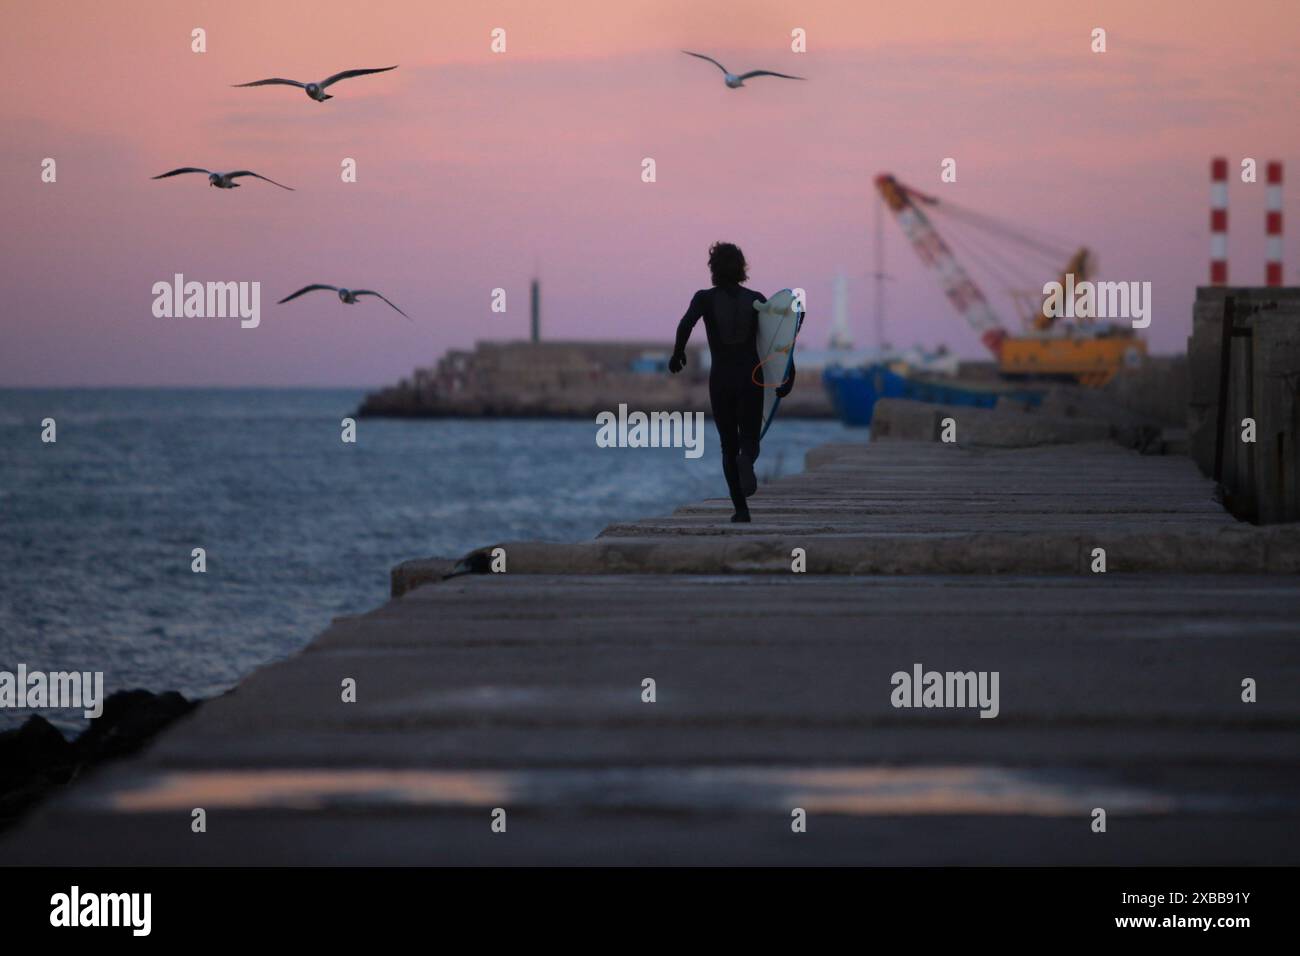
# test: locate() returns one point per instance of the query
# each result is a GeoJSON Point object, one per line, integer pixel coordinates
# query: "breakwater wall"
{"type": "Point", "coordinates": [565, 380]}
{"type": "Point", "coordinates": [1243, 415]}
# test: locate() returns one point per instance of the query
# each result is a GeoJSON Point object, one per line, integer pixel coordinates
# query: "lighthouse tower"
{"type": "Point", "coordinates": [840, 338]}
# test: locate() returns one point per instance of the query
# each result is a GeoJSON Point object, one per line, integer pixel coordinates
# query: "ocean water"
{"type": "Point", "coordinates": [96, 530]}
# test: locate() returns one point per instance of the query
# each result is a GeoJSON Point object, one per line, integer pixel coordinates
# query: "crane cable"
{"type": "Point", "coordinates": [1041, 243]}
{"type": "Point", "coordinates": [1007, 277]}
{"type": "Point", "coordinates": [1007, 271]}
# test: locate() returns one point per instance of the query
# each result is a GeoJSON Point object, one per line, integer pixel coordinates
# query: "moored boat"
{"type": "Point", "coordinates": [854, 391]}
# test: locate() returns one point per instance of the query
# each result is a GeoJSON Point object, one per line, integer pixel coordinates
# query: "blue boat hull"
{"type": "Point", "coordinates": [854, 392]}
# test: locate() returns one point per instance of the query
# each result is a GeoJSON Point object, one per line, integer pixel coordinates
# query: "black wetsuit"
{"type": "Point", "coordinates": [732, 327]}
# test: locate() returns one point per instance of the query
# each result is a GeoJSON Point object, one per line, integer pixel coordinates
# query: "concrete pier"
{"type": "Point", "coordinates": [911, 507]}
{"type": "Point", "coordinates": [526, 691]}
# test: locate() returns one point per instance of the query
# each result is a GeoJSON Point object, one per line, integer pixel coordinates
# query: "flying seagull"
{"type": "Point", "coordinates": [735, 82]}
{"type": "Point", "coordinates": [345, 295]}
{"type": "Point", "coordinates": [317, 90]}
{"type": "Point", "coordinates": [222, 180]}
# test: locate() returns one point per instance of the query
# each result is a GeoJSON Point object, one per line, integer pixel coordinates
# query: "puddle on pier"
{"type": "Point", "coordinates": [861, 791]}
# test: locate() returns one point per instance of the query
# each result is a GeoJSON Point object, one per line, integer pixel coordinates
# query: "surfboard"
{"type": "Point", "coordinates": [779, 319]}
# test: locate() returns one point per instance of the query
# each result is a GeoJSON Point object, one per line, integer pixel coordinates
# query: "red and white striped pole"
{"type": "Point", "coordinates": [1273, 225]}
{"type": "Point", "coordinates": [1218, 221]}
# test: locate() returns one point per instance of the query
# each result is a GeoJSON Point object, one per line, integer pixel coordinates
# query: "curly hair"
{"type": "Point", "coordinates": [727, 263]}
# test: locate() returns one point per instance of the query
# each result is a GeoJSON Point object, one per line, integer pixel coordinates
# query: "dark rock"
{"type": "Point", "coordinates": [130, 719]}
{"type": "Point", "coordinates": [34, 748]}
{"type": "Point", "coordinates": [35, 758]}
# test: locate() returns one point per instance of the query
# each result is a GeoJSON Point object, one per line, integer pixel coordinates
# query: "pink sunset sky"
{"type": "Point", "coordinates": [476, 170]}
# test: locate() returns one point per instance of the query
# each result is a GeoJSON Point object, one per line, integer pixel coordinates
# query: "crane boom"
{"type": "Point", "coordinates": [957, 285]}
{"type": "Point", "coordinates": [1086, 353]}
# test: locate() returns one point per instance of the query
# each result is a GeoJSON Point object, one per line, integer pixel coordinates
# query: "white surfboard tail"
{"type": "Point", "coordinates": [779, 319]}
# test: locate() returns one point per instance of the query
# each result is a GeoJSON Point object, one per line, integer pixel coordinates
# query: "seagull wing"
{"type": "Point", "coordinates": [274, 81]}
{"type": "Point", "coordinates": [305, 289]}
{"type": "Point", "coordinates": [709, 58]}
{"type": "Point", "coordinates": [350, 73]}
{"type": "Point", "coordinates": [183, 169]}
{"type": "Point", "coordinates": [249, 172]}
{"type": "Point", "coordinates": [784, 76]}
{"type": "Point", "coordinates": [372, 292]}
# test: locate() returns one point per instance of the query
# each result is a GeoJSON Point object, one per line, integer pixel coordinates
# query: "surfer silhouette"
{"type": "Point", "coordinates": [735, 376]}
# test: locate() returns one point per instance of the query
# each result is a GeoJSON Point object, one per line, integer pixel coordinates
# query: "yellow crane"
{"type": "Point", "coordinates": [1084, 351]}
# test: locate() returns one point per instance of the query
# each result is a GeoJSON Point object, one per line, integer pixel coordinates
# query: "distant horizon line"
{"type": "Point", "coordinates": [348, 388]}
